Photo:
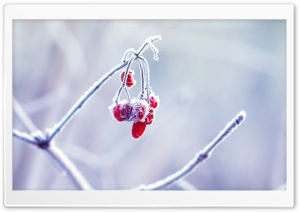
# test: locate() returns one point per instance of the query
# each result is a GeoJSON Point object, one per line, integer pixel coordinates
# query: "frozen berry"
{"type": "Point", "coordinates": [126, 111]}
{"type": "Point", "coordinates": [153, 101]}
{"type": "Point", "coordinates": [130, 81]}
{"type": "Point", "coordinates": [150, 116]}
{"type": "Point", "coordinates": [138, 128]}
{"type": "Point", "coordinates": [117, 113]}
{"type": "Point", "coordinates": [139, 111]}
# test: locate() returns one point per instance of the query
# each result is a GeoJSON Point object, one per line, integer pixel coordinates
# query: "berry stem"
{"type": "Point", "coordinates": [142, 79]}
{"type": "Point", "coordinates": [124, 80]}
{"type": "Point", "coordinates": [127, 94]}
{"type": "Point", "coordinates": [148, 88]}
{"type": "Point", "coordinates": [199, 157]}
{"type": "Point", "coordinates": [129, 51]}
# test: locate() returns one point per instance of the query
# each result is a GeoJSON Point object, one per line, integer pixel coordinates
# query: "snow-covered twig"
{"type": "Point", "coordinates": [24, 137]}
{"type": "Point", "coordinates": [43, 139]}
{"type": "Point", "coordinates": [39, 139]}
{"type": "Point", "coordinates": [72, 172]}
{"type": "Point", "coordinates": [199, 157]}
{"type": "Point", "coordinates": [98, 84]}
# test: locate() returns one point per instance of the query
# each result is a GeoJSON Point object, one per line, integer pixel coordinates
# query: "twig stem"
{"type": "Point", "coordinates": [73, 173]}
{"type": "Point", "coordinates": [43, 139]}
{"type": "Point", "coordinates": [24, 137]}
{"type": "Point", "coordinates": [199, 157]}
{"type": "Point", "coordinates": [38, 138]}
{"type": "Point", "coordinates": [83, 99]}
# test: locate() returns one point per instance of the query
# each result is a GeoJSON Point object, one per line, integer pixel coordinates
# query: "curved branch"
{"type": "Point", "coordinates": [199, 157]}
{"type": "Point", "coordinates": [83, 99]}
{"type": "Point", "coordinates": [43, 139]}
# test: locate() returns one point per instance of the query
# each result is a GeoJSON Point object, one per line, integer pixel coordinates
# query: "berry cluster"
{"type": "Point", "coordinates": [130, 111]}
{"type": "Point", "coordinates": [139, 111]}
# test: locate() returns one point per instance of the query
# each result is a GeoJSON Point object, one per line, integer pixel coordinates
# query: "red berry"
{"type": "Point", "coordinates": [153, 102]}
{"type": "Point", "coordinates": [138, 128]}
{"type": "Point", "coordinates": [126, 111]}
{"type": "Point", "coordinates": [130, 81]}
{"type": "Point", "coordinates": [150, 116]}
{"type": "Point", "coordinates": [117, 111]}
{"type": "Point", "coordinates": [140, 111]}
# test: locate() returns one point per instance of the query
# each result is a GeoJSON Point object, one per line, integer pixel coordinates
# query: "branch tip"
{"type": "Point", "coordinates": [154, 38]}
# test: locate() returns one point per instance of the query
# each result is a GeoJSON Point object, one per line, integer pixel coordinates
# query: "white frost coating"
{"type": "Point", "coordinates": [139, 107]}
{"type": "Point", "coordinates": [136, 110]}
{"type": "Point", "coordinates": [242, 113]}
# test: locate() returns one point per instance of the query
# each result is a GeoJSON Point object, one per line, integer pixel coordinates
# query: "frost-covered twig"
{"type": "Point", "coordinates": [39, 139]}
{"type": "Point", "coordinates": [57, 155]}
{"type": "Point", "coordinates": [83, 99]}
{"type": "Point", "coordinates": [24, 137]}
{"type": "Point", "coordinates": [199, 157]}
{"type": "Point", "coordinates": [73, 173]}
{"type": "Point", "coordinates": [43, 139]}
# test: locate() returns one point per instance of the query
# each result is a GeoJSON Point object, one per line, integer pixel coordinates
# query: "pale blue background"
{"type": "Point", "coordinates": [208, 71]}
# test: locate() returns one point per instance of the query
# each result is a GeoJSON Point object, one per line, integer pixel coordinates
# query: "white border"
{"type": "Point", "coordinates": [153, 198]}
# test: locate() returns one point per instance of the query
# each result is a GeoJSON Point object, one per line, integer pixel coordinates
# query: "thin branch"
{"type": "Point", "coordinates": [149, 41]}
{"type": "Point", "coordinates": [43, 139]}
{"type": "Point", "coordinates": [199, 157]}
{"type": "Point", "coordinates": [23, 116]}
{"type": "Point", "coordinates": [128, 52]}
{"type": "Point", "coordinates": [185, 185]}
{"type": "Point", "coordinates": [74, 174]}
{"type": "Point", "coordinates": [57, 155]}
{"type": "Point", "coordinates": [38, 138]}
{"type": "Point", "coordinates": [83, 99]}
{"type": "Point", "coordinates": [24, 137]}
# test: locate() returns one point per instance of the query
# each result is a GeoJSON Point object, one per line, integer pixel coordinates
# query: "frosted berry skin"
{"type": "Point", "coordinates": [150, 116]}
{"type": "Point", "coordinates": [130, 111]}
{"type": "Point", "coordinates": [130, 81]}
{"type": "Point", "coordinates": [138, 128]}
{"type": "Point", "coordinates": [153, 101]}
{"type": "Point", "coordinates": [126, 111]}
{"type": "Point", "coordinates": [117, 111]}
{"type": "Point", "coordinates": [139, 111]}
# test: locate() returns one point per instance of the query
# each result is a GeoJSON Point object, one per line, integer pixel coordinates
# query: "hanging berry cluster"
{"type": "Point", "coordinates": [141, 109]}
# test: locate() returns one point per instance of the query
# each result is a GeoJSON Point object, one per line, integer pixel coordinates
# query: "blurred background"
{"type": "Point", "coordinates": [208, 71]}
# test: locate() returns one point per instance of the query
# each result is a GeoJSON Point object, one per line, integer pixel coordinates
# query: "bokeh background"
{"type": "Point", "coordinates": [208, 71]}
